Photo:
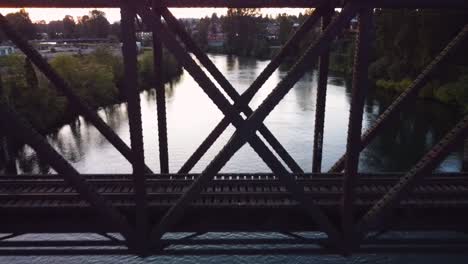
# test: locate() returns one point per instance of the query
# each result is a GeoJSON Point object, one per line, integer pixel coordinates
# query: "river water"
{"type": "Point", "coordinates": [191, 116]}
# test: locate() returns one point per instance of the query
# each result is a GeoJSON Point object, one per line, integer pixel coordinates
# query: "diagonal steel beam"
{"type": "Point", "coordinates": [358, 95]}
{"type": "Point", "coordinates": [324, 62]}
{"type": "Point", "coordinates": [160, 97]}
{"type": "Point", "coordinates": [14, 125]}
{"type": "Point", "coordinates": [246, 132]}
{"type": "Point", "coordinates": [64, 88]}
{"type": "Point", "coordinates": [407, 96]}
{"type": "Point", "coordinates": [132, 93]}
{"type": "Point", "coordinates": [428, 163]}
{"type": "Point", "coordinates": [174, 25]}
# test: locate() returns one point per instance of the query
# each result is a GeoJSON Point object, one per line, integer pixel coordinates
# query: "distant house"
{"type": "Point", "coordinates": [6, 50]}
{"type": "Point", "coordinates": [353, 26]}
{"type": "Point", "coordinates": [216, 38]}
{"type": "Point", "coordinates": [144, 35]}
{"type": "Point", "coordinates": [272, 31]}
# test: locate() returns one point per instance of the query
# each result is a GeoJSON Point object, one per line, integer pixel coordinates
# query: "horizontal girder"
{"type": "Point", "coordinates": [239, 3]}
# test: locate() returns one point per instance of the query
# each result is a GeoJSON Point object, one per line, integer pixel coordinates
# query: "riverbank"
{"type": "Point", "coordinates": [96, 78]}
{"type": "Point", "coordinates": [191, 115]}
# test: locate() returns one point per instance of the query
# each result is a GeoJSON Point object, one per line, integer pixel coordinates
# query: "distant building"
{"type": "Point", "coordinates": [353, 25]}
{"type": "Point", "coordinates": [6, 50]}
{"type": "Point", "coordinates": [216, 37]}
{"type": "Point", "coordinates": [144, 35]}
{"type": "Point", "coordinates": [272, 30]}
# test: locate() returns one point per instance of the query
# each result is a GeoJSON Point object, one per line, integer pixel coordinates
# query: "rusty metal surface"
{"type": "Point", "coordinates": [358, 95]}
{"type": "Point", "coordinates": [132, 94]}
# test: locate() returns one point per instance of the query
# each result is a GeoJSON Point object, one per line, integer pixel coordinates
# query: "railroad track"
{"type": "Point", "coordinates": [228, 190]}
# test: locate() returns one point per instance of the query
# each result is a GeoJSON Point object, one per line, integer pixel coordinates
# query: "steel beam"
{"type": "Point", "coordinates": [160, 96]}
{"type": "Point", "coordinates": [406, 97]}
{"type": "Point", "coordinates": [239, 3]}
{"type": "Point", "coordinates": [324, 62]}
{"type": "Point", "coordinates": [64, 88]}
{"type": "Point", "coordinates": [132, 94]}
{"type": "Point", "coordinates": [358, 95]}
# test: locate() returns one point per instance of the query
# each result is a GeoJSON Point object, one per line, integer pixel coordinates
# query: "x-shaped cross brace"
{"type": "Point", "coordinates": [246, 128]}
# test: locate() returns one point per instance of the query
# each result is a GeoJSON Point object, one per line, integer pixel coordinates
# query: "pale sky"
{"type": "Point", "coordinates": [113, 14]}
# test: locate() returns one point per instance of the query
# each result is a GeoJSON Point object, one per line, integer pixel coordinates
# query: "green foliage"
{"type": "Point", "coordinates": [92, 81]}
{"type": "Point", "coordinates": [21, 22]}
{"type": "Point", "coordinates": [170, 70]}
{"type": "Point", "coordinates": [242, 29]}
{"type": "Point", "coordinates": [391, 86]}
{"type": "Point", "coordinates": [455, 92]}
{"type": "Point", "coordinates": [408, 40]}
{"type": "Point", "coordinates": [95, 78]}
{"type": "Point", "coordinates": [342, 55]}
{"type": "Point", "coordinates": [40, 105]}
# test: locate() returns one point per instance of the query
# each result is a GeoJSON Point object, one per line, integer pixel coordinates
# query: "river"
{"type": "Point", "coordinates": [191, 116]}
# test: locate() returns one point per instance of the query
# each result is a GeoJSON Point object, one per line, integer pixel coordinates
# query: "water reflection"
{"type": "Point", "coordinates": [191, 116]}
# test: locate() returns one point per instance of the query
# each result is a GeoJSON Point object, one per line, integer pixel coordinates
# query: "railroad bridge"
{"type": "Point", "coordinates": [150, 211]}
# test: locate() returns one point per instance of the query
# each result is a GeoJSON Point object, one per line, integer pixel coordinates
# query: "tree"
{"type": "Point", "coordinates": [115, 31]}
{"type": "Point", "coordinates": [82, 26]}
{"type": "Point", "coordinates": [242, 30]}
{"type": "Point", "coordinates": [55, 29]}
{"type": "Point", "coordinates": [69, 26]}
{"type": "Point", "coordinates": [21, 22]}
{"type": "Point", "coordinates": [201, 37]}
{"type": "Point", "coordinates": [285, 27]}
{"type": "Point", "coordinates": [99, 26]}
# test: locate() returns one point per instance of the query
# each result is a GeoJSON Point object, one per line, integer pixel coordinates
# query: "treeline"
{"type": "Point", "coordinates": [96, 78]}
{"type": "Point", "coordinates": [247, 32]}
{"type": "Point", "coordinates": [92, 25]}
{"type": "Point", "coordinates": [408, 40]}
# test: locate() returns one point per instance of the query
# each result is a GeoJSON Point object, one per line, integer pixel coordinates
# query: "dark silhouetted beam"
{"type": "Point", "coordinates": [241, 3]}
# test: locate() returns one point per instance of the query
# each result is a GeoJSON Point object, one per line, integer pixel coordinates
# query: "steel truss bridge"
{"type": "Point", "coordinates": [349, 212]}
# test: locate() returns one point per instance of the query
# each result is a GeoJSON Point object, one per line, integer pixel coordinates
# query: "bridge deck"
{"type": "Point", "coordinates": [231, 202]}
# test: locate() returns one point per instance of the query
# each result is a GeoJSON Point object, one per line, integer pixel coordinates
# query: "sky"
{"type": "Point", "coordinates": [49, 14]}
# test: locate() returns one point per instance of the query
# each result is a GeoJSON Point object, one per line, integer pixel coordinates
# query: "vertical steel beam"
{"type": "Point", "coordinates": [324, 62]}
{"type": "Point", "coordinates": [160, 96]}
{"type": "Point", "coordinates": [132, 93]}
{"type": "Point", "coordinates": [59, 83]}
{"type": "Point", "coordinates": [407, 96]}
{"type": "Point", "coordinates": [359, 90]}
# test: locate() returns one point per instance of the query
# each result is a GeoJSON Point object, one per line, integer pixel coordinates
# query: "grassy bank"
{"type": "Point", "coordinates": [452, 93]}
{"type": "Point", "coordinates": [96, 78]}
